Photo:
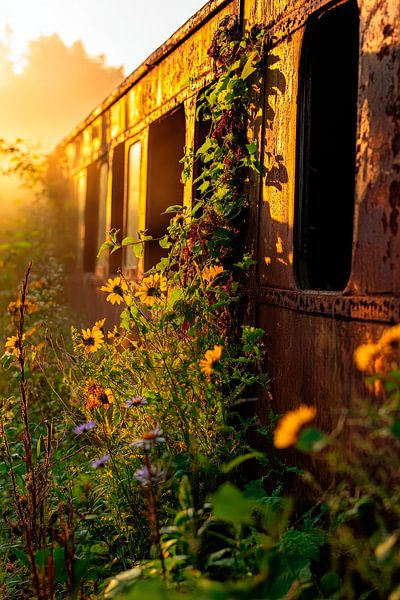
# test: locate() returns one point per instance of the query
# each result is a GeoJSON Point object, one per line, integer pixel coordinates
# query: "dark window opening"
{"type": "Point", "coordinates": [326, 151]}
{"type": "Point", "coordinates": [102, 215]}
{"type": "Point", "coordinates": [117, 202]}
{"type": "Point", "coordinates": [164, 187]}
{"type": "Point", "coordinates": [91, 218]}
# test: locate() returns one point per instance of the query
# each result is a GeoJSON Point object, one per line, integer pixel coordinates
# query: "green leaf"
{"type": "Point", "coordinates": [248, 68]}
{"type": "Point", "coordinates": [231, 505]}
{"type": "Point", "coordinates": [147, 589]}
{"type": "Point", "coordinates": [205, 147]}
{"type": "Point", "coordinates": [235, 462]}
{"type": "Point", "coordinates": [196, 207]}
{"type": "Point", "coordinates": [252, 148]}
{"type": "Point", "coordinates": [38, 446]}
{"type": "Point", "coordinates": [129, 240]}
{"type": "Point", "coordinates": [330, 582]}
{"type": "Point", "coordinates": [185, 494]}
{"type": "Point", "coordinates": [395, 429]}
{"type": "Point", "coordinates": [23, 557]}
{"type": "Point", "coordinates": [305, 543]}
{"type": "Point", "coordinates": [22, 245]}
{"type": "Point", "coordinates": [310, 440]}
{"type": "Point", "coordinates": [60, 571]}
{"type": "Point", "coordinates": [204, 186]}
{"type": "Point", "coordinates": [164, 242]}
{"type": "Point", "coordinates": [99, 548]}
{"type": "Point", "coordinates": [138, 250]}
{"type": "Point", "coordinates": [6, 360]}
{"type": "Point", "coordinates": [105, 246]}
{"type": "Point", "coordinates": [117, 246]}
{"type": "Point", "coordinates": [173, 209]}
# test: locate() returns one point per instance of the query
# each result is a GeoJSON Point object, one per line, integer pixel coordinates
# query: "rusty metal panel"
{"type": "Point", "coordinates": [178, 72]}
{"type": "Point", "coordinates": [376, 262]}
{"type": "Point", "coordinates": [377, 309]}
{"type": "Point", "coordinates": [310, 360]}
{"type": "Point", "coordinates": [275, 255]}
{"type": "Point", "coordinates": [312, 335]}
{"type": "Point", "coordinates": [280, 17]}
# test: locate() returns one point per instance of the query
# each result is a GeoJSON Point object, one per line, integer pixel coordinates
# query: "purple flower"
{"type": "Point", "coordinates": [136, 401]}
{"type": "Point", "coordinates": [100, 462]}
{"type": "Point", "coordinates": [84, 427]}
{"type": "Point", "coordinates": [144, 475]}
{"type": "Point", "coordinates": [149, 438]}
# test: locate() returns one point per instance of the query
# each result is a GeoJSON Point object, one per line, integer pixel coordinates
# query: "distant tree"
{"type": "Point", "coordinates": [57, 88]}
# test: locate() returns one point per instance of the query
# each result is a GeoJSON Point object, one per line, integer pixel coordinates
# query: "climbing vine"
{"type": "Point", "coordinates": [210, 232]}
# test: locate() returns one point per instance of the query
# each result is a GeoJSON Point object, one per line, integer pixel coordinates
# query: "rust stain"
{"type": "Point", "coordinates": [379, 309]}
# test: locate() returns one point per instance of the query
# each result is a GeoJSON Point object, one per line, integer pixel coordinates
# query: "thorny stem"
{"type": "Point", "coordinates": [31, 518]}
{"type": "Point", "coordinates": [21, 360]}
{"type": "Point", "coordinates": [21, 517]}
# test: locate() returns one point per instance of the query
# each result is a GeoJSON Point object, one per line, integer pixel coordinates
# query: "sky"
{"type": "Point", "coordinates": [60, 58]}
{"type": "Point", "coordinates": [125, 31]}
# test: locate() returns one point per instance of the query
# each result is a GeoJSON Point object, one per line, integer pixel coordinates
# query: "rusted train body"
{"type": "Point", "coordinates": [324, 221]}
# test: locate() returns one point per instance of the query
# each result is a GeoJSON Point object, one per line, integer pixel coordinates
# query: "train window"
{"type": "Point", "coordinates": [164, 187]}
{"type": "Point", "coordinates": [117, 201]}
{"type": "Point", "coordinates": [102, 222]}
{"type": "Point", "coordinates": [326, 150]}
{"type": "Point", "coordinates": [91, 212]}
{"type": "Point", "coordinates": [80, 195]}
{"type": "Point", "coordinates": [132, 204]}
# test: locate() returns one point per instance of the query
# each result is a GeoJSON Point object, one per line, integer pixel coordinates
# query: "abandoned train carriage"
{"type": "Point", "coordinates": [323, 221]}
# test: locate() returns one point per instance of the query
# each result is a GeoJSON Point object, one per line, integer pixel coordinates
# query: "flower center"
{"type": "Point", "coordinates": [117, 289]}
{"type": "Point", "coordinates": [154, 291]}
{"type": "Point", "coordinates": [103, 398]}
{"type": "Point", "coordinates": [89, 341]}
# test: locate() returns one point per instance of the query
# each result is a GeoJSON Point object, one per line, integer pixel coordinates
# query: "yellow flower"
{"type": "Point", "coordinates": [288, 427]}
{"type": "Point", "coordinates": [210, 357]}
{"type": "Point", "coordinates": [12, 345]}
{"type": "Point", "coordinates": [39, 283]}
{"type": "Point", "coordinates": [151, 289]}
{"type": "Point", "coordinates": [210, 273]}
{"type": "Point", "coordinates": [100, 324]}
{"type": "Point", "coordinates": [97, 395]}
{"type": "Point", "coordinates": [390, 336]}
{"type": "Point", "coordinates": [113, 334]}
{"type": "Point", "coordinates": [364, 355]}
{"type": "Point", "coordinates": [91, 339]}
{"type": "Point", "coordinates": [14, 307]}
{"type": "Point", "coordinates": [116, 288]}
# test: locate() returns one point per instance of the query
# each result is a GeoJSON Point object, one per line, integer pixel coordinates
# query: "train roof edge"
{"type": "Point", "coordinates": [205, 13]}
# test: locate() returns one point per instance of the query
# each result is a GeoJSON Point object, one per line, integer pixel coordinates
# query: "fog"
{"type": "Point", "coordinates": [57, 88]}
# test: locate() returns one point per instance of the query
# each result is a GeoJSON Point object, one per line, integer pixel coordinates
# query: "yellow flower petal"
{"type": "Point", "coordinates": [288, 427]}
{"type": "Point", "coordinates": [151, 289]}
{"type": "Point", "coordinates": [364, 355]}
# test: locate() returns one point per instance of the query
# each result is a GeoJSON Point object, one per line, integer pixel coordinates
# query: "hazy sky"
{"type": "Point", "coordinates": [50, 73]}
{"type": "Point", "coordinates": [126, 31]}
